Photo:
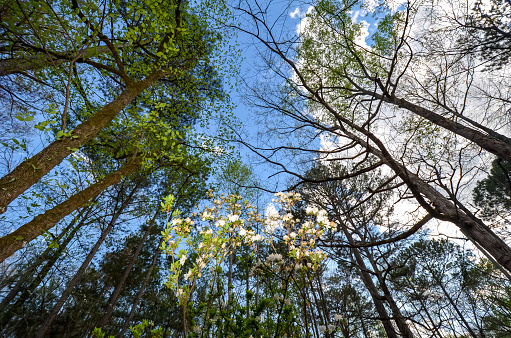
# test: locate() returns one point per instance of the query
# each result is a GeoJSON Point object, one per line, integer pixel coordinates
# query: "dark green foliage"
{"type": "Point", "coordinates": [489, 33]}
{"type": "Point", "coordinates": [493, 194]}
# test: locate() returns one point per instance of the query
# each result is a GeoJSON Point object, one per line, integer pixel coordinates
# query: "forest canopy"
{"type": "Point", "coordinates": [255, 168]}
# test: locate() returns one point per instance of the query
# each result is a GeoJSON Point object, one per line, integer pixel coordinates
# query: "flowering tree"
{"type": "Point", "coordinates": [286, 260]}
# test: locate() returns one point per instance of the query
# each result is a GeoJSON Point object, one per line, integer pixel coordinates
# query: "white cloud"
{"type": "Point", "coordinates": [300, 28]}
{"type": "Point", "coordinates": [295, 13]}
{"type": "Point", "coordinates": [355, 15]}
{"type": "Point", "coordinates": [364, 33]}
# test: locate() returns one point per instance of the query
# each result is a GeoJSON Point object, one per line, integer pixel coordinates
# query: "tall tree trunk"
{"type": "Point", "coordinates": [71, 285]}
{"type": "Point", "coordinates": [13, 242]}
{"type": "Point", "coordinates": [440, 206]}
{"type": "Point", "coordinates": [38, 278]}
{"type": "Point", "coordinates": [487, 139]}
{"type": "Point", "coordinates": [363, 272]}
{"type": "Point", "coordinates": [396, 312]}
{"type": "Point", "coordinates": [141, 290]}
{"type": "Point", "coordinates": [117, 291]}
{"type": "Point", "coordinates": [229, 283]}
{"type": "Point", "coordinates": [46, 255]}
{"type": "Point", "coordinates": [31, 170]}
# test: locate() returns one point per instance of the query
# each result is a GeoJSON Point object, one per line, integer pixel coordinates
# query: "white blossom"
{"type": "Point", "coordinates": [233, 218]}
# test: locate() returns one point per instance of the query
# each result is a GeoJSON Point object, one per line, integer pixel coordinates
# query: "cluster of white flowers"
{"type": "Point", "coordinates": [207, 232]}
{"type": "Point", "coordinates": [287, 197]}
{"type": "Point", "coordinates": [321, 217]}
{"type": "Point", "coordinates": [201, 263]}
{"type": "Point", "coordinates": [274, 258]}
{"type": "Point", "coordinates": [230, 231]}
{"type": "Point", "coordinates": [206, 215]}
{"type": "Point", "coordinates": [233, 218]}
{"type": "Point", "coordinates": [249, 235]}
{"type": "Point", "coordinates": [337, 317]}
{"type": "Point", "coordinates": [323, 328]}
{"type": "Point", "coordinates": [311, 210]}
{"type": "Point", "coordinates": [188, 274]}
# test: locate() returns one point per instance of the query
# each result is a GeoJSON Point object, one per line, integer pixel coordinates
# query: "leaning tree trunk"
{"type": "Point", "coordinates": [31, 170]}
{"type": "Point", "coordinates": [396, 312]}
{"type": "Point", "coordinates": [71, 285]}
{"type": "Point", "coordinates": [369, 284]}
{"type": "Point", "coordinates": [439, 206]}
{"type": "Point", "coordinates": [117, 291]}
{"type": "Point", "coordinates": [486, 138]}
{"type": "Point", "coordinates": [38, 278]}
{"type": "Point", "coordinates": [45, 256]}
{"type": "Point", "coordinates": [16, 240]}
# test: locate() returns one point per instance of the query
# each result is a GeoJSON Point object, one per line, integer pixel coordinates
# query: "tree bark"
{"type": "Point", "coordinates": [10, 311]}
{"type": "Point", "coordinates": [42, 257]}
{"type": "Point", "coordinates": [117, 291]}
{"type": "Point", "coordinates": [363, 272]}
{"type": "Point", "coordinates": [141, 291]}
{"type": "Point", "coordinates": [488, 140]}
{"type": "Point", "coordinates": [71, 285]}
{"type": "Point", "coordinates": [13, 242]}
{"type": "Point", "coordinates": [396, 312]}
{"type": "Point", "coordinates": [31, 170]}
{"type": "Point", "coordinates": [440, 206]}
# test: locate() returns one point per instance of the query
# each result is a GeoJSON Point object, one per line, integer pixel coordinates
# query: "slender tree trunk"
{"type": "Point", "coordinates": [440, 206]}
{"type": "Point", "coordinates": [229, 283]}
{"type": "Point", "coordinates": [488, 139]}
{"type": "Point", "coordinates": [13, 242]}
{"type": "Point", "coordinates": [71, 285]}
{"type": "Point", "coordinates": [435, 330]}
{"type": "Point", "coordinates": [117, 291]}
{"type": "Point", "coordinates": [46, 255]}
{"type": "Point", "coordinates": [38, 278]}
{"type": "Point", "coordinates": [31, 170]}
{"type": "Point", "coordinates": [363, 272]}
{"type": "Point", "coordinates": [248, 304]}
{"type": "Point", "coordinates": [141, 291]}
{"type": "Point", "coordinates": [396, 312]}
